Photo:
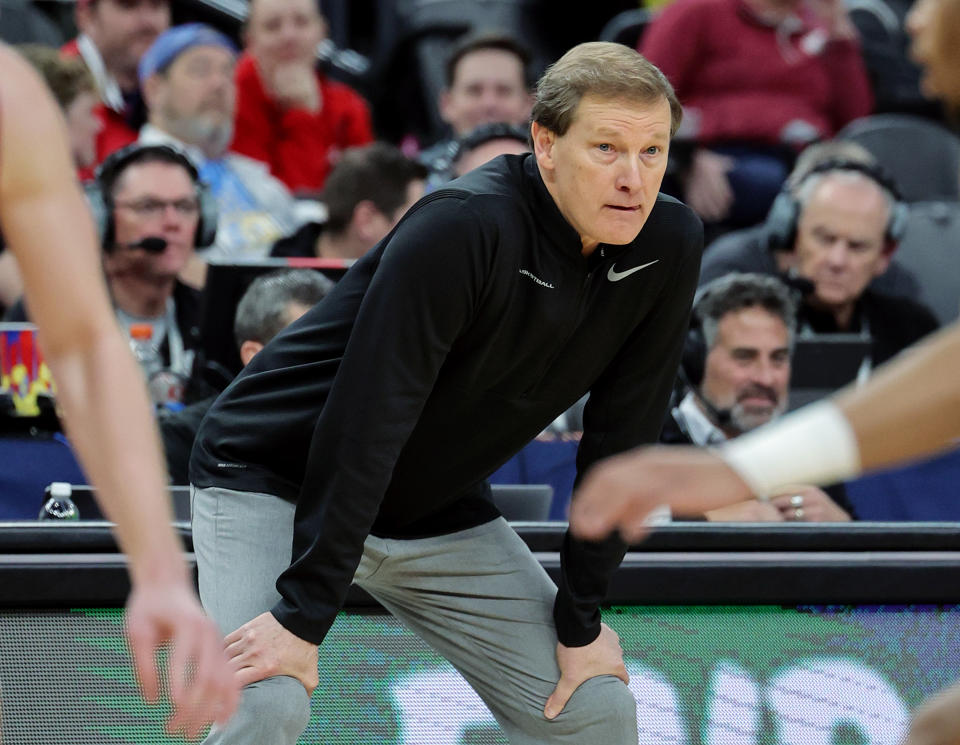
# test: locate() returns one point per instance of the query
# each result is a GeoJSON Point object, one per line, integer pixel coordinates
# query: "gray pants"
{"type": "Point", "coordinates": [478, 597]}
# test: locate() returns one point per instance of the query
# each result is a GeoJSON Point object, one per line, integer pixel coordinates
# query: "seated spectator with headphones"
{"type": "Point", "coordinates": [832, 233]}
{"type": "Point", "coordinates": [152, 212]}
{"type": "Point", "coordinates": [750, 250]}
{"type": "Point", "coordinates": [736, 371]}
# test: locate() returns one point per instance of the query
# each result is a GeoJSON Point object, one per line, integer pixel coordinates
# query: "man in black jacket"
{"type": "Point", "coordinates": [366, 430]}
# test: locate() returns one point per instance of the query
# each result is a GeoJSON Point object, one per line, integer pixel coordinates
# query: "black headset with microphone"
{"type": "Point", "coordinates": [781, 222]}
{"type": "Point", "coordinates": [693, 362]}
{"type": "Point", "coordinates": [99, 195]}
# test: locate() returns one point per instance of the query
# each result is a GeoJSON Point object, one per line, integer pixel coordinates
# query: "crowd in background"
{"type": "Point", "coordinates": [202, 140]}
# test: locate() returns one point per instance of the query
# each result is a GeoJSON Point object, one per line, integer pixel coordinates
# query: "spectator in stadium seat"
{"type": "Point", "coordinates": [736, 371]}
{"type": "Point", "coordinates": [289, 114]}
{"type": "Point", "coordinates": [488, 141]}
{"type": "Point", "coordinates": [271, 303]}
{"type": "Point", "coordinates": [487, 80]}
{"type": "Point", "coordinates": [113, 36]}
{"type": "Point", "coordinates": [367, 193]}
{"type": "Point", "coordinates": [836, 233]}
{"type": "Point", "coordinates": [752, 250]}
{"type": "Point", "coordinates": [187, 79]}
{"type": "Point", "coordinates": [759, 80]}
{"type": "Point", "coordinates": [149, 192]}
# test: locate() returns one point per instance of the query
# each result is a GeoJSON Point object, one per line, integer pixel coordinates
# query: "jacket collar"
{"type": "Point", "coordinates": [548, 214]}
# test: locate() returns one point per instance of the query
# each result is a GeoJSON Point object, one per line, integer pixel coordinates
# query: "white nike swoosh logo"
{"type": "Point", "coordinates": [615, 276]}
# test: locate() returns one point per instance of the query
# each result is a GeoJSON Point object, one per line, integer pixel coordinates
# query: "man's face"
{"type": "Point", "coordinates": [605, 171]}
{"type": "Point", "coordinates": [83, 126]}
{"type": "Point", "coordinates": [488, 86]}
{"type": "Point", "coordinates": [747, 371]}
{"type": "Point", "coordinates": [284, 31]}
{"type": "Point", "coordinates": [154, 199]}
{"type": "Point", "coordinates": [194, 99]}
{"type": "Point", "coordinates": [123, 30]}
{"type": "Point", "coordinates": [841, 243]}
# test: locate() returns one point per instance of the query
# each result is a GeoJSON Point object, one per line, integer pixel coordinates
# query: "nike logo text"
{"type": "Point", "coordinates": [615, 276]}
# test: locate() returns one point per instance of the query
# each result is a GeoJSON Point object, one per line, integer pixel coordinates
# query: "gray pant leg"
{"type": "Point", "coordinates": [482, 600]}
{"type": "Point", "coordinates": [242, 542]}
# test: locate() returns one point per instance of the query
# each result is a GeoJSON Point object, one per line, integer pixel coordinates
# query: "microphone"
{"type": "Point", "coordinates": [721, 417]}
{"type": "Point", "coordinates": [151, 244]}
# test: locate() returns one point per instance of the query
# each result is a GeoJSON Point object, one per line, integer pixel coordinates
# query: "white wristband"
{"type": "Point", "coordinates": [813, 445]}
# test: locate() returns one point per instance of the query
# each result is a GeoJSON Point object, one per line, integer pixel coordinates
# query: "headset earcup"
{"type": "Point", "coordinates": [897, 227]}
{"type": "Point", "coordinates": [100, 211]}
{"type": "Point", "coordinates": [781, 222]}
{"type": "Point", "coordinates": [207, 225]}
{"type": "Point", "coordinates": [693, 362]}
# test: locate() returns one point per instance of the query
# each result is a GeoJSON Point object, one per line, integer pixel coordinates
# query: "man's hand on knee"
{"type": "Point", "coordinates": [262, 648]}
{"type": "Point", "coordinates": [603, 656]}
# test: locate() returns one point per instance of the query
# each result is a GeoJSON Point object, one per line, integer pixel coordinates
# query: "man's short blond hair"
{"type": "Point", "coordinates": [603, 69]}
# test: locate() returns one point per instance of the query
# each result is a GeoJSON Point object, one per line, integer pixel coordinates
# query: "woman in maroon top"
{"type": "Point", "coordinates": [758, 80]}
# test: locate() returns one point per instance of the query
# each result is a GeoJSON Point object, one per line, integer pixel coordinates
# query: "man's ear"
{"type": "Point", "coordinates": [443, 105]}
{"type": "Point", "coordinates": [883, 263]}
{"type": "Point", "coordinates": [151, 88]}
{"type": "Point", "coordinates": [366, 219]}
{"type": "Point", "coordinates": [248, 349]}
{"type": "Point", "coordinates": [543, 145]}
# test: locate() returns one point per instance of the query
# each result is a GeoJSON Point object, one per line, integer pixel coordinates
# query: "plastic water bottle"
{"type": "Point", "coordinates": [59, 504]}
{"type": "Point", "coordinates": [144, 350]}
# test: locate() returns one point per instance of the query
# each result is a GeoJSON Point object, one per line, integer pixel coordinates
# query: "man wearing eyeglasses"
{"type": "Point", "coordinates": [149, 228]}
{"type": "Point", "coordinates": [153, 195]}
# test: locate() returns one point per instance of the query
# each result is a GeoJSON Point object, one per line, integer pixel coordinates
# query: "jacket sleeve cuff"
{"type": "Point", "coordinates": [298, 624]}
{"type": "Point", "coordinates": [575, 628]}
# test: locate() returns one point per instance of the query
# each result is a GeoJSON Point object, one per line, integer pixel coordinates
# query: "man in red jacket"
{"type": "Point", "coordinates": [289, 115]}
{"type": "Point", "coordinates": [113, 36]}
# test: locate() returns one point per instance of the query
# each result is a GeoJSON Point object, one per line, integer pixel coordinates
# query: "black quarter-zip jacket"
{"type": "Point", "coordinates": [443, 351]}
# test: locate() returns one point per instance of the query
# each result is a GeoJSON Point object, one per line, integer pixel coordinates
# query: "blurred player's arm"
{"type": "Point", "coordinates": [911, 407]}
{"type": "Point", "coordinates": [49, 229]}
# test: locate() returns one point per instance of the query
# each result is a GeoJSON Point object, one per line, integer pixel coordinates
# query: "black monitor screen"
{"type": "Point", "coordinates": [225, 285]}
